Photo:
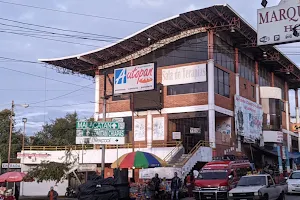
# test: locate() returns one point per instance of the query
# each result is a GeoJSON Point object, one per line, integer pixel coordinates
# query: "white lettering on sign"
{"type": "Point", "coordinates": [11, 165]}
{"type": "Point", "coordinates": [184, 75]}
{"type": "Point", "coordinates": [100, 140]}
{"type": "Point", "coordinates": [275, 24]}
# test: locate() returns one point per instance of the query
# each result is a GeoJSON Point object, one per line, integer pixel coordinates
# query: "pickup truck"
{"type": "Point", "coordinates": [260, 187]}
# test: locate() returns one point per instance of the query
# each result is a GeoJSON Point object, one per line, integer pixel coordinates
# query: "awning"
{"type": "Point", "coordinates": [265, 151]}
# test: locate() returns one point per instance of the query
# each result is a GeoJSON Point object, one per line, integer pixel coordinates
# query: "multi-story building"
{"type": "Point", "coordinates": [214, 84]}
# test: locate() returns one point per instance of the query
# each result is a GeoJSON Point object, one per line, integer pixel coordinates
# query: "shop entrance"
{"type": "Point", "coordinates": [192, 126]}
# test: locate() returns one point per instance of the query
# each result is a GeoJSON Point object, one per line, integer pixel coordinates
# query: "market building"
{"type": "Point", "coordinates": [216, 90]}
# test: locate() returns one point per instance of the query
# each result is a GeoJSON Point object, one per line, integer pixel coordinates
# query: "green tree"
{"type": "Point", "coordinates": [61, 131]}
{"type": "Point", "coordinates": [16, 142]}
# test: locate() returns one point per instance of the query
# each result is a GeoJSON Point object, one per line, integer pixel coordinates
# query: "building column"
{"type": "Point", "coordinates": [237, 92]}
{"type": "Point", "coordinates": [287, 118]}
{"type": "Point", "coordinates": [256, 76]}
{"type": "Point", "coordinates": [97, 95]}
{"type": "Point", "coordinates": [210, 35]}
{"type": "Point", "coordinates": [211, 104]}
{"type": "Point", "coordinates": [149, 129]}
{"type": "Point", "coordinates": [297, 116]}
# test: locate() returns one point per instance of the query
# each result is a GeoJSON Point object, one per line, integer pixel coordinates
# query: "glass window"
{"type": "Point", "coordinates": [247, 67]}
{"type": "Point", "coordinates": [264, 76]}
{"type": "Point", "coordinates": [223, 53]}
{"type": "Point", "coordinates": [295, 175]}
{"type": "Point", "coordinates": [212, 175]}
{"type": "Point", "coordinates": [253, 91]}
{"type": "Point", "coordinates": [187, 88]}
{"type": "Point", "coordinates": [252, 181]}
{"type": "Point", "coordinates": [222, 82]}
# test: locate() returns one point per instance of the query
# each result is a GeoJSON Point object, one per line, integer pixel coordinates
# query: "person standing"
{"type": "Point", "coordinates": [156, 184]}
{"type": "Point", "coordinates": [175, 186]}
{"type": "Point", "coordinates": [52, 194]}
{"type": "Point", "coordinates": [17, 192]}
{"type": "Point", "coordinates": [190, 180]}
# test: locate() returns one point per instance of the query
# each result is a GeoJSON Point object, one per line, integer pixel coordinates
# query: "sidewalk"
{"type": "Point", "coordinates": [44, 198]}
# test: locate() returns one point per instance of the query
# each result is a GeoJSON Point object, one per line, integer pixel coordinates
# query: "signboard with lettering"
{"type": "Point", "coordinates": [100, 132]}
{"type": "Point", "coordinates": [273, 136]}
{"type": "Point", "coordinates": [248, 118]}
{"type": "Point", "coordinates": [134, 79]}
{"type": "Point", "coordinates": [275, 24]}
{"type": "Point", "coordinates": [11, 165]}
{"type": "Point", "coordinates": [184, 75]}
{"type": "Point", "coordinates": [87, 168]}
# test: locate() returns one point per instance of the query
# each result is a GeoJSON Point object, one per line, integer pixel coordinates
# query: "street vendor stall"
{"type": "Point", "coordinates": [10, 177]}
{"type": "Point", "coordinates": [139, 160]}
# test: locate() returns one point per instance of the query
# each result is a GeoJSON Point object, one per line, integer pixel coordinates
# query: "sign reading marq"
{"type": "Point", "coordinates": [275, 24]}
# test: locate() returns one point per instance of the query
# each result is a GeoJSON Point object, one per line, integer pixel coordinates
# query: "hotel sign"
{"type": "Point", "coordinates": [184, 75]}
{"type": "Point", "coordinates": [275, 24]}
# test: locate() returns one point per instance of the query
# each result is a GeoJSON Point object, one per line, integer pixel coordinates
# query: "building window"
{"type": "Point", "coordinates": [187, 88]}
{"type": "Point", "coordinates": [247, 67]}
{"type": "Point", "coordinates": [221, 82]}
{"type": "Point", "coordinates": [264, 76]}
{"type": "Point", "coordinates": [253, 91]}
{"type": "Point", "coordinates": [223, 53]}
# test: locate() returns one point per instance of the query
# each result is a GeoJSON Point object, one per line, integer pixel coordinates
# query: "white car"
{"type": "Point", "coordinates": [294, 182]}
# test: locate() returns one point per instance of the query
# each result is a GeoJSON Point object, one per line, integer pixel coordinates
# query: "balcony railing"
{"type": "Point", "coordinates": [89, 147]}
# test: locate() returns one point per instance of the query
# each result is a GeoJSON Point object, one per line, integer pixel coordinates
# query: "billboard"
{"type": "Point", "coordinates": [184, 75]}
{"type": "Point", "coordinates": [275, 24]}
{"type": "Point", "coordinates": [134, 79]}
{"type": "Point", "coordinates": [100, 132]}
{"type": "Point", "coordinates": [248, 118]}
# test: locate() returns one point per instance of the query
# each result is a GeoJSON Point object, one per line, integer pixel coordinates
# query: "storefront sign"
{"type": "Point", "coordinates": [176, 135]}
{"type": "Point", "coordinates": [195, 130]}
{"type": "Point", "coordinates": [30, 155]}
{"type": "Point", "coordinates": [87, 168]}
{"type": "Point", "coordinates": [100, 132]}
{"type": "Point", "coordinates": [184, 75]}
{"type": "Point", "coordinates": [275, 24]}
{"type": "Point", "coordinates": [283, 152]}
{"type": "Point", "coordinates": [166, 172]}
{"type": "Point", "coordinates": [134, 79]}
{"type": "Point", "coordinates": [295, 128]}
{"type": "Point", "coordinates": [248, 118]}
{"type": "Point", "coordinates": [273, 136]}
{"type": "Point", "coordinates": [11, 165]}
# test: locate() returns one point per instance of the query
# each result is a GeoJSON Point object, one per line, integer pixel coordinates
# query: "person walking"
{"type": "Point", "coordinates": [175, 186]}
{"type": "Point", "coordinates": [52, 194]}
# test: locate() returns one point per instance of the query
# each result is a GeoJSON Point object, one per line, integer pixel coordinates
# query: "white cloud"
{"type": "Point", "coordinates": [190, 8]}
{"type": "Point", "coordinates": [28, 16]}
{"type": "Point", "coordinates": [61, 7]}
{"type": "Point", "coordinates": [145, 3]}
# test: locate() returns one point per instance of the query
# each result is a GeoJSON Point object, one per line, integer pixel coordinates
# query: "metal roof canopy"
{"type": "Point", "coordinates": [217, 18]}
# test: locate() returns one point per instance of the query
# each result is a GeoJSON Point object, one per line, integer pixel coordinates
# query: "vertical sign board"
{"type": "Point", "coordinates": [248, 118]}
{"type": "Point", "coordinates": [275, 24]}
{"type": "Point", "coordinates": [135, 79]}
{"type": "Point", "coordinates": [100, 132]}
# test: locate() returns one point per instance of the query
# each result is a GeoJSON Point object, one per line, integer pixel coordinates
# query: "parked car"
{"type": "Point", "coordinates": [260, 186]}
{"type": "Point", "coordinates": [293, 182]}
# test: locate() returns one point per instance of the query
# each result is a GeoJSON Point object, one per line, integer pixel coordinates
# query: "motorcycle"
{"type": "Point", "coordinates": [70, 192]}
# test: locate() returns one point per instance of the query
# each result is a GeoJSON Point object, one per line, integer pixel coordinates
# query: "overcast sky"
{"type": "Point", "coordinates": [31, 83]}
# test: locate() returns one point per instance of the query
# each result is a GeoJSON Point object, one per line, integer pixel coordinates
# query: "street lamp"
{"type": "Point", "coordinates": [24, 120]}
{"type": "Point", "coordinates": [11, 127]}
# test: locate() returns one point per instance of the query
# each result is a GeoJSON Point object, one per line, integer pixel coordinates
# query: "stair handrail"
{"type": "Point", "coordinates": [201, 143]}
{"type": "Point", "coordinates": [169, 155]}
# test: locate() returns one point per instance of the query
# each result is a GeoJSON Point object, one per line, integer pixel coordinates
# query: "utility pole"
{"type": "Point", "coordinates": [10, 134]}
{"type": "Point", "coordinates": [104, 119]}
{"type": "Point", "coordinates": [24, 120]}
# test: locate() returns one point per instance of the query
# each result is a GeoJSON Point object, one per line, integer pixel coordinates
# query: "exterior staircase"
{"type": "Point", "coordinates": [178, 161]}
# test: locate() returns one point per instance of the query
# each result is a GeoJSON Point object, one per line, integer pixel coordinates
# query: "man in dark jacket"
{"type": "Point", "coordinates": [156, 184]}
{"type": "Point", "coordinates": [175, 186]}
{"type": "Point", "coordinates": [52, 194]}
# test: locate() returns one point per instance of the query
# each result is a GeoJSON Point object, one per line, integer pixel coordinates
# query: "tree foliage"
{"type": "Point", "coordinates": [48, 171]}
{"type": "Point", "coordinates": [54, 171]}
{"type": "Point", "coordinates": [61, 131]}
{"type": "Point", "coordinates": [16, 142]}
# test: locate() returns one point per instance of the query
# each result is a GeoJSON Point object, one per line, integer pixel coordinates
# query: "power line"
{"type": "Point", "coordinates": [30, 74]}
{"type": "Point", "coordinates": [73, 13]}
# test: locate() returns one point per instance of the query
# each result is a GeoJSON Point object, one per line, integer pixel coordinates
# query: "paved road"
{"type": "Point", "coordinates": [292, 197]}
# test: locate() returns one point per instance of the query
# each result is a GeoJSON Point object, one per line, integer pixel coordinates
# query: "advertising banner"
{"type": "Point", "coordinates": [134, 79]}
{"type": "Point", "coordinates": [275, 24]}
{"type": "Point", "coordinates": [100, 132]}
{"type": "Point", "coordinates": [248, 118]}
{"type": "Point", "coordinates": [184, 75]}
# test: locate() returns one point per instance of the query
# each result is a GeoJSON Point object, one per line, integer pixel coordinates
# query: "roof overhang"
{"type": "Point", "coordinates": [217, 18]}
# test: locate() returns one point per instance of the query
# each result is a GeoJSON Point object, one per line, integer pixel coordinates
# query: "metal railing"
{"type": "Point", "coordinates": [194, 149]}
{"type": "Point", "coordinates": [169, 155]}
{"type": "Point", "coordinates": [88, 147]}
